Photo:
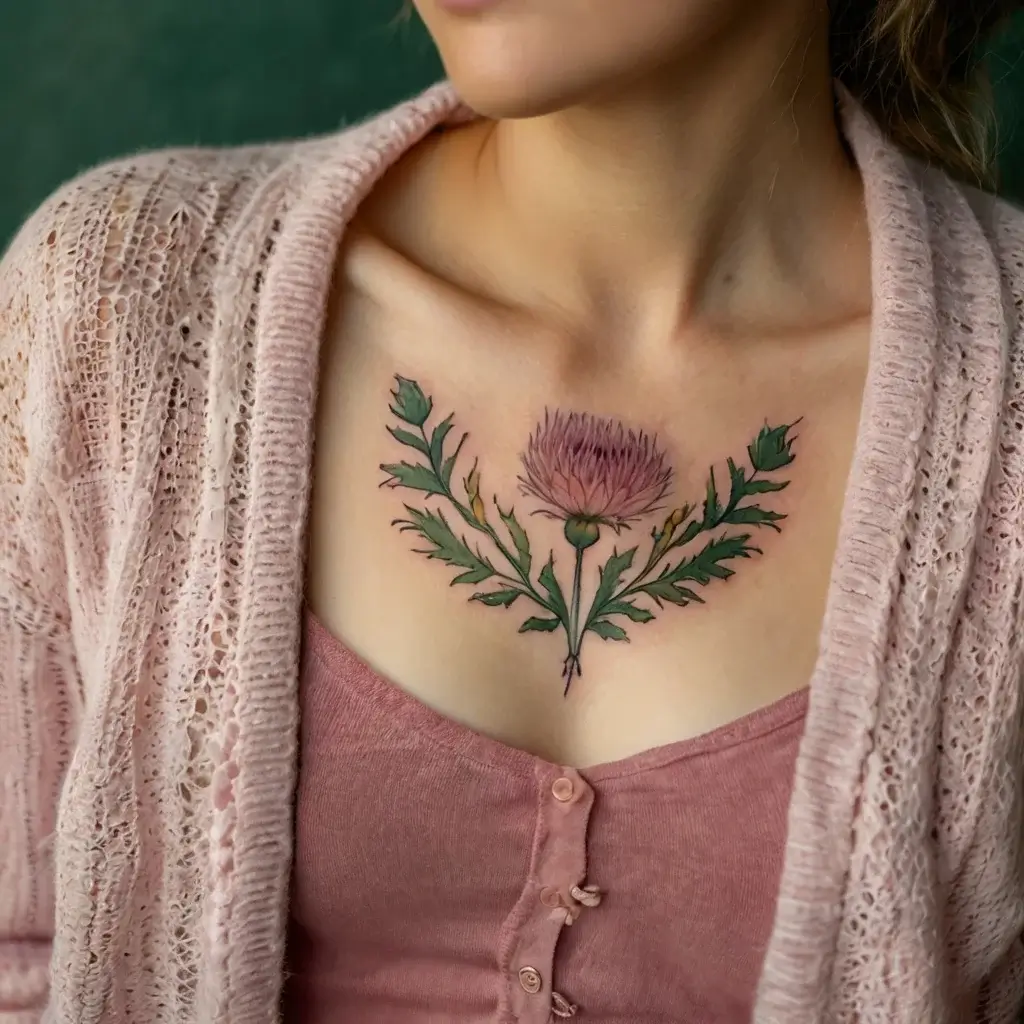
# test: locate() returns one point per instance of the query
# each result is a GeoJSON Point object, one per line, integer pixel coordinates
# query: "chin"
{"type": "Point", "coordinates": [500, 79]}
{"type": "Point", "coordinates": [513, 97]}
{"type": "Point", "coordinates": [528, 58]}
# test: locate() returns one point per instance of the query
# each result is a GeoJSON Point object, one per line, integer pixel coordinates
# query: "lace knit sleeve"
{"type": "Point", "coordinates": [39, 687]}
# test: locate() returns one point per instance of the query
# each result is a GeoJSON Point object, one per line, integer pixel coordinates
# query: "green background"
{"type": "Point", "coordinates": [84, 82]}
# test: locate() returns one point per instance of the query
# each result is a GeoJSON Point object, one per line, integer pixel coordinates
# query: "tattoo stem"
{"type": "Point", "coordinates": [572, 663]}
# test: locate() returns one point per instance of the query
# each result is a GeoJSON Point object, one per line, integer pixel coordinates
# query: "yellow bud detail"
{"type": "Point", "coordinates": [662, 539]}
{"type": "Point", "coordinates": [477, 506]}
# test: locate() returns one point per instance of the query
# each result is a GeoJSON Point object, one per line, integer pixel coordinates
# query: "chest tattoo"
{"type": "Point", "coordinates": [591, 474]}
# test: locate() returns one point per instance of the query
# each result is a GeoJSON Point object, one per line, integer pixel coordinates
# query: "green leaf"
{"type": "Point", "coordinates": [519, 538]}
{"type": "Point", "coordinates": [449, 463]}
{"type": "Point", "coordinates": [608, 630]}
{"type": "Point", "coordinates": [440, 432]}
{"type": "Point", "coordinates": [418, 478]}
{"type": "Point", "coordinates": [549, 582]}
{"type": "Point", "coordinates": [666, 590]}
{"type": "Point", "coordinates": [702, 568]}
{"type": "Point", "coordinates": [706, 564]}
{"type": "Point", "coordinates": [764, 486]}
{"type": "Point", "coordinates": [609, 577]}
{"type": "Point", "coordinates": [691, 531]}
{"type": "Point", "coordinates": [498, 597]}
{"type": "Point", "coordinates": [477, 575]}
{"type": "Point", "coordinates": [627, 608]}
{"type": "Point", "coordinates": [409, 439]}
{"type": "Point", "coordinates": [712, 508]}
{"type": "Point", "coordinates": [540, 625]}
{"type": "Point", "coordinates": [737, 482]}
{"type": "Point", "coordinates": [445, 546]}
{"type": "Point", "coordinates": [410, 404]}
{"type": "Point", "coordinates": [771, 449]}
{"type": "Point", "coordinates": [754, 516]}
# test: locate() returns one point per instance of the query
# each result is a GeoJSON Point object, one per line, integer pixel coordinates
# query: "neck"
{"type": "Point", "coordinates": [708, 192]}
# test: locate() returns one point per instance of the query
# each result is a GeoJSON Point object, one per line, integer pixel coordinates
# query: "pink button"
{"type": "Point", "coordinates": [529, 978]}
{"type": "Point", "coordinates": [561, 789]}
{"type": "Point", "coordinates": [549, 897]}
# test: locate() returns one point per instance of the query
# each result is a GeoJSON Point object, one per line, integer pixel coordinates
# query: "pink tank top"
{"type": "Point", "coordinates": [442, 877]}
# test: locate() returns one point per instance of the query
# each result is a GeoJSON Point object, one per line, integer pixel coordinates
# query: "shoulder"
{"type": "Point", "coordinates": [138, 279]}
{"type": "Point", "coordinates": [105, 228]}
{"type": "Point", "coordinates": [125, 297]}
{"type": "Point", "coordinates": [120, 213]}
{"type": "Point", "coordinates": [975, 242]}
{"type": "Point", "coordinates": [1002, 222]}
{"type": "Point", "coordinates": [159, 229]}
{"type": "Point", "coordinates": [100, 282]}
{"type": "Point", "coordinates": [141, 190]}
{"type": "Point", "coordinates": [980, 238]}
{"type": "Point", "coordinates": [1002, 226]}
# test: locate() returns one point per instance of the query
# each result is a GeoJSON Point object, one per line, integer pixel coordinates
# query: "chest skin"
{"type": "Point", "coordinates": [734, 625]}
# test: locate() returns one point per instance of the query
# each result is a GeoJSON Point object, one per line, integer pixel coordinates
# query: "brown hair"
{"type": "Point", "coordinates": [916, 66]}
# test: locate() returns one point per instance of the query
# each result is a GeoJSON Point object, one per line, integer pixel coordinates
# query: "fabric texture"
{"type": "Point", "coordinates": [159, 326]}
{"type": "Point", "coordinates": [442, 876]}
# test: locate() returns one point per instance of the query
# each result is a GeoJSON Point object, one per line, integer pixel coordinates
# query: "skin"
{"type": "Point", "coordinates": [654, 221]}
{"type": "Point", "coordinates": [668, 165]}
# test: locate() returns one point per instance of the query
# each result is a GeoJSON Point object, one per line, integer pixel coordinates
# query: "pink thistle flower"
{"type": "Point", "coordinates": [593, 470]}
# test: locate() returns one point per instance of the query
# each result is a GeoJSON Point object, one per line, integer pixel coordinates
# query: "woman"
{"type": "Point", "coordinates": [650, 593]}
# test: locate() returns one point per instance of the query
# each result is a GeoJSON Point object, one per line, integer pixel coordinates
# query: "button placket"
{"type": "Point", "coordinates": [549, 899]}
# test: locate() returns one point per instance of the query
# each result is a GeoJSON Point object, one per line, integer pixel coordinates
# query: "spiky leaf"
{"type": "Point", "coordinates": [519, 538]}
{"type": "Point", "coordinates": [712, 507]}
{"type": "Point", "coordinates": [754, 516]}
{"type": "Point", "coordinates": [771, 449]}
{"type": "Point", "coordinates": [694, 527]}
{"type": "Point", "coordinates": [449, 463]}
{"type": "Point", "coordinates": [437, 436]}
{"type": "Point", "coordinates": [609, 577]}
{"type": "Point", "coordinates": [445, 545]}
{"type": "Point", "coordinates": [665, 590]}
{"type": "Point", "coordinates": [411, 440]}
{"type": "Point", "coordinates": [476, 575]}
{"type": "Point", "coordinates": [496, 598]}
{"type": "Point", "coordinates": [707, 564]}
{"type": "Point", "coordinates": [737, 482]}
{"type": "Point", "coordinates": [549, 582]}
{"type": "Point", "coordinates": [608, 630]}
{"type": "Point", "coordinates": [627, 608]}
{"type": "Point", "coordinates": [764, 486]}
{"type": "Point", "coordinates": [533, 624]}
{"type": "Point", "coordinates": [418, 478]}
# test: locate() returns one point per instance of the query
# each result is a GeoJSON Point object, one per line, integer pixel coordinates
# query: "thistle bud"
{"type": "Point", "coordinates": [663, 536]}
{"type": "Point", "coordinates": [672, 522]}
{"type": "Point", "coordinates": [409, 403]}
{"type": "Point", "coordinates": [476, 505]}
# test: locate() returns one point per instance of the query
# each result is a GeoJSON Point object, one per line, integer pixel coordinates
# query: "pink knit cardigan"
{"type": "Point", "coordinates": [159, 324]}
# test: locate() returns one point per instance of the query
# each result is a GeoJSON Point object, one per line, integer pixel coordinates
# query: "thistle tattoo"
{"type": "Point", "coordinates": [590, 474]}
